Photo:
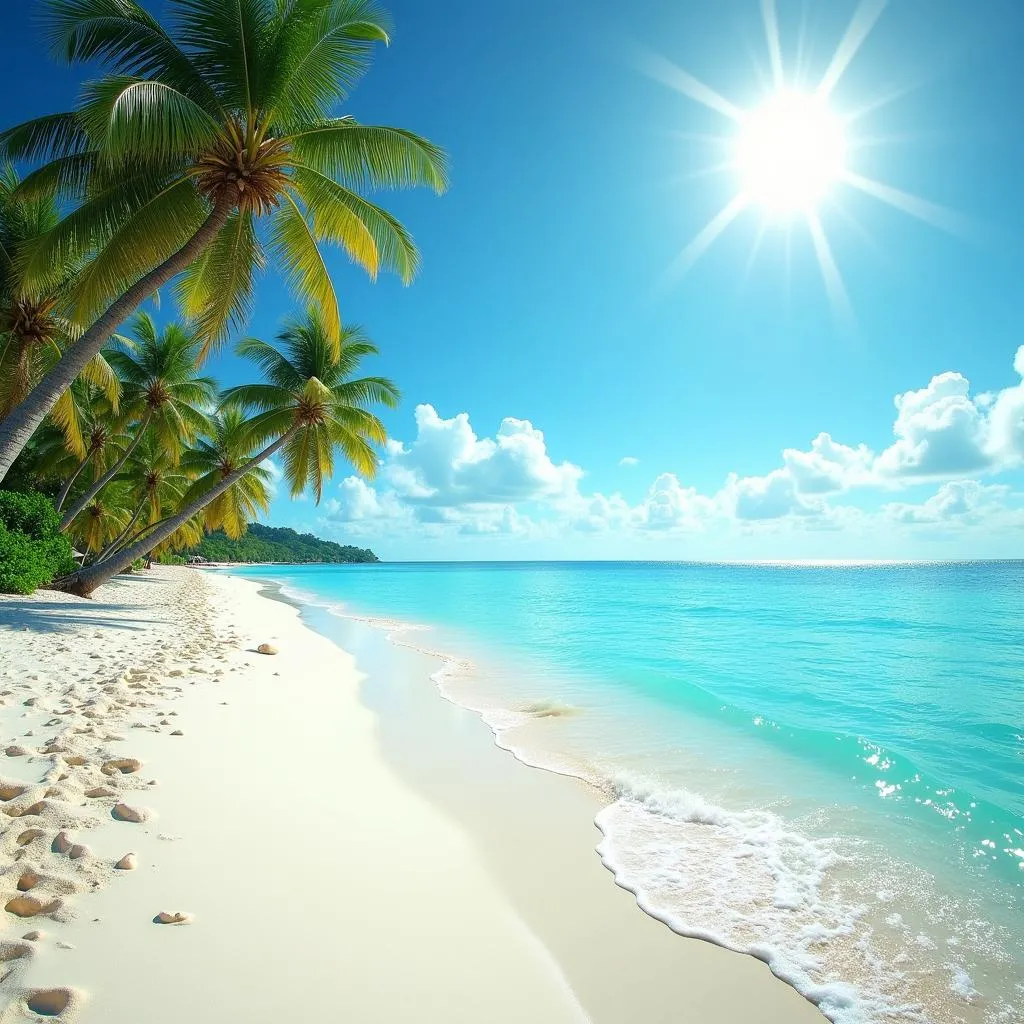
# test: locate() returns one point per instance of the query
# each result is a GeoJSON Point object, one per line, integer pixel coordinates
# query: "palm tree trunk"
{"type": "Point", "coordinates": [112, 546]}
{"type": "Point", "coordinates": [86, 580]}
{"type": "Point", "coordinates": [23, 420]}
{"type": "Point", "coordinates": [91, 492]}
{"type": "Point", "coordinates": [63, 496]}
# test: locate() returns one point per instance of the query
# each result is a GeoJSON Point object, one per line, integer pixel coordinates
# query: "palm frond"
{"type": "Point", "coordinates": [216, 290]}
{"type": "Point", "coordinates": [151, 230]}
{"type": "Point", "coordinates": [342, 216]}
{"type": "Point", "coordinates": [123, 34]}
{"type": "Point", "coordinates": [44, 138]}
{"type": "Point", "coordinates": [227, 41]}
{"type": "Point", "coordinates": [371, 156]}
{"type": "Point", "coordinates": [321, 49]}
{"type": "Point", "coordinates": [294, 245]}
{"type": "Point", "coordinates": [132, 119]}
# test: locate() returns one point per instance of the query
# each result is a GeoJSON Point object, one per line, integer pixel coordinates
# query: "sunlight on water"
{"type": "Point", "coordinates": [819, 765]}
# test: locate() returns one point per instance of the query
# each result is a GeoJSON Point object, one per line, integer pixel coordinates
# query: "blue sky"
{"type": "Point", "coordinates": [543, 343]}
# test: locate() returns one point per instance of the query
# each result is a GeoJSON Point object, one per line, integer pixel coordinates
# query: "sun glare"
{"type": "Point", "coordinates": [790, 151]}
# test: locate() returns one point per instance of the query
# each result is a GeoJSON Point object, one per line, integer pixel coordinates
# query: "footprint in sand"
{"type": "Point", "coordinates": [122, 812]}
{"type": "Point", "coordinates": [14, 951]}
{"type": "Point", "coordinates": [29, 880]}
{"type": "Point", "coordinates": [61, 843]}
{"type": "Point", "coordinates": [51, 1002]}
{"type": "Point", "coordinates": [124, 765]}
{"type": "Point", "coordinates": [31, 906]}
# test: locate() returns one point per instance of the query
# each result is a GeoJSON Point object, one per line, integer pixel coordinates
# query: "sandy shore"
{"type": "Point", "coordinates": [317, 858]}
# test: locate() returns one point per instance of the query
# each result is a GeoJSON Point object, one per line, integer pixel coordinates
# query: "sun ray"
{"type": "Point", "coordinates": [800, 70]}
{"type": "Point", "coordinates": [700, 172]}
{"type": "Point", "coordinates": [863, 20]}
{"type": "Point", "coordinates": [703, 239]}
{"type": "Point", "coordinates": [931, 213]}
{"type": "Point", "coordinates": [661, 69]}
{"type": "Point", "coordinates": [755, 248]}
{"type": "Point", "coordinates": [890, 96]}
{"type": "Point", "coordinates": [771, 34]}
{"type": "Point", "coordinates": [829, 270]}
{"type": "Point", "coordinates": [706, 137]}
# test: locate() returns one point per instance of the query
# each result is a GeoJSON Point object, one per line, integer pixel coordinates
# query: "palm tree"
{"type": "Point", "coordinates": [166, 487]}
{"type": "Point", "coordinates": [310, 406]}
{"type": "Point", "coordinates": [101, 439]}
{"type": "Point", "coordinates": [194, 136]}
{"type": "Point", "coordinates": [103, 519]}
{"type": "Point", "coordinates": [35, 330]}
{"type": "Point", "coordinates": [156, 484]}
{"type": "Point", "coordinates": [230, 444]}
{"type": "Point", "coordinates": [162, 392]}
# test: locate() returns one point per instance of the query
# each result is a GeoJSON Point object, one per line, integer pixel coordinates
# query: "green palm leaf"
{"type": "Point", "coordinates": [216, 290]}
{"type": "Point", "coordinates": [294, 245]}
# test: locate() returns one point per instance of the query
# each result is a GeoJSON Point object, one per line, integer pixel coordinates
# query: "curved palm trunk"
{"type": "Point", "coordinates": [23, 420]}
{"type": "Point", "coordinates": [86, 580]}
{"type": "Point", "coordinates": [63, 496]}
{"type": "Point", "coordinates": [113, 545]}
{"type": "Point", "coordinates": [91, 492]}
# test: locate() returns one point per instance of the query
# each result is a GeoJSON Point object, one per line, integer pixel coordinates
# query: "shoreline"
{"type": "Point", "coordinates": [538, 828]}
{"type": "Point", "coordinates": [286, 806]}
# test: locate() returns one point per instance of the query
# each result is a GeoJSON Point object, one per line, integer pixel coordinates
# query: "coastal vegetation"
{"type": "Point", "coordinates": [211, 147]}
{"type": "Point", "coordinates": [277, 544]}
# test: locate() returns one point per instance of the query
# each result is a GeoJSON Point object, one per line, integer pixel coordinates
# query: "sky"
{"type": "Point", "coordinates": [580, 381]}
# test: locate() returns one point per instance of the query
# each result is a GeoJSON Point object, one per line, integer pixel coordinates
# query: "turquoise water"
{"type": "Point", "coordinates": [820, 765]}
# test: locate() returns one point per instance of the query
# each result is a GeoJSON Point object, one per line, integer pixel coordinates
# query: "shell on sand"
{"type": "Point", "coordinates": [126, 863]}
{"type": "Point", "coordinates": [176, 918]}
{"type": "Point", "coordinates": [267, 649]}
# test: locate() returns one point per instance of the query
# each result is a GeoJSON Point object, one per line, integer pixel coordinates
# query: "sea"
{"type": "Point", "coordinates": [819, 765]}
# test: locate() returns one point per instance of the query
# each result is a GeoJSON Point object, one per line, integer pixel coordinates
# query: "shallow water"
{"type": "Point", "coordinates": [822, 766]}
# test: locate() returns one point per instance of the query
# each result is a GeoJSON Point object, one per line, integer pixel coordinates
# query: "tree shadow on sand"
{"type": "Point", "coordinates": [18, 615]}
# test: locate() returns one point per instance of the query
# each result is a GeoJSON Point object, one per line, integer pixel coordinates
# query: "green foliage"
{"type": "Point", "coordinates": [227, 87]}
{"type": "Point", "coordinates": [32, 514]}
{"type": "Point", "coordinates": [278, 544]}
{"type": "Point", "coordinates": [167, 558]}
{"type": "Point", "coordinates": [32, 550]}
{"type": "Point", "coordinates": [312, 395]}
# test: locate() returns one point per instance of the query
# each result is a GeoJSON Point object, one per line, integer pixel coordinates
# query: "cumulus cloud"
{"type": "Point", "coordinates": [447, 465]}
{"type": "Point", "coordinates": [448, 479]}
{"type": "Point", "coordinates": [828, 466]}
{"type": "Point", "coordinates": [942, 431]}
{"type": "Point", "coordinates": [963, 501]}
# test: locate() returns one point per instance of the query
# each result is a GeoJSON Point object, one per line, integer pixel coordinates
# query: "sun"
{"type": "Point", "coordinates": [790, 152]}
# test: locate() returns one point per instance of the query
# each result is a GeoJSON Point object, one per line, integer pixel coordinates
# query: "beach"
{"type": "Point", "coordinates": [282, 851]}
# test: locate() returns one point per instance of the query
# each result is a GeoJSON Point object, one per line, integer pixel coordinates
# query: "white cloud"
{"type": "Point", "coordinates": [942, 432]}
{"type": "Point", "coordinates": [828, 466]}
{"type": "Point", "coordinates": [958, 501]}
{"type": "Point", "coordinates": [449, 481]}
{"type": "Point", "coordinates": [668, 505]}
{"type": "Point", "coordinates": [447, 465]}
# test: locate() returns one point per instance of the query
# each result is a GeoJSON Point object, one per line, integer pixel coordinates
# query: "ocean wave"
{"type": "Point", "coordinates": [750, 881]}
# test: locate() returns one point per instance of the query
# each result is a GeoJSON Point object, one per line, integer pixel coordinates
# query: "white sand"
{"type": "Point", "coordinates": [313, 882]}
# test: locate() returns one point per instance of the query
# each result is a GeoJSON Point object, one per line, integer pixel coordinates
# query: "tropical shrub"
{"type": "Point", "coordinates": [33, 551]}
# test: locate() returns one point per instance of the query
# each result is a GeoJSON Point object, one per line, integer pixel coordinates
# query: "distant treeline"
{"type": "Point", "coordinates": [277, 544]}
